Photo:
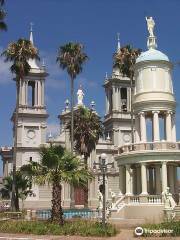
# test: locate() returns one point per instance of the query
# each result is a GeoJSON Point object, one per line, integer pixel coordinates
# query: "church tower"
{"type": "Point", "coordinates": [118, 106]}
{"type": "Point", "coordinates": [31, 132]}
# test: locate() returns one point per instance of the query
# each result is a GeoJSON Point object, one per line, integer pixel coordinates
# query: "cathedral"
{"type": "Point", "coordinates": [144, 171]}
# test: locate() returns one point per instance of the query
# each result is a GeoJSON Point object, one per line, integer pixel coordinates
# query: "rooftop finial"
{"type": "Point", "coordinates": [31, 32]}
{"type": "Point", "coordinates": [118, 40]}
{"type": "Point", "coordinates": [151, 43]}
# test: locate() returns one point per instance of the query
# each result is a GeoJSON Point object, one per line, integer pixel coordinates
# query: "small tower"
{"type": "Point", "coordinates": [150, 165]}
{"type": "Point", "coordinates": [31, 132]}
{"type": "Point", "coordinates": [118, 106]}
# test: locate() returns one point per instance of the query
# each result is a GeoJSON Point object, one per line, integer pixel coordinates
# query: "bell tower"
{"type": "Point", "coordinates": [31, 132]}
{"type": "Point", "coordinates": [118, 106]}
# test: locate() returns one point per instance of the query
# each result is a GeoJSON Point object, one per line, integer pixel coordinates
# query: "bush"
{"type": "Point", "coordinates": [79, 227]}
{"type": "Point", "coordinates": [173, 225]}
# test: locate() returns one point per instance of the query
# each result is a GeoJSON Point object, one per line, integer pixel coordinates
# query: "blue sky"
{"type": "Point", "coordinates": [94, 23]}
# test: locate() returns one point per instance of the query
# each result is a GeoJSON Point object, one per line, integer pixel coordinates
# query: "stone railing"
{"type": "Point", "coordinates": [155, 199]}
{"type": "Point", "coordinates": [134, 199]}
{"type": "Point", "coordinates": [163, 145]}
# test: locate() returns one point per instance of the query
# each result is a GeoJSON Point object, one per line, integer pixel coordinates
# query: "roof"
{"type": "Point", "coordinates": [152, 55]}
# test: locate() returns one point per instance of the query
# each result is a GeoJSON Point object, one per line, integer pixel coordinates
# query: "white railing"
{"type": "Point", "coordinates": [149, 146]}
{"type": "Point", "coordinates": [154, 199]}
{"type": "Point", "coordinates": [134, 199]}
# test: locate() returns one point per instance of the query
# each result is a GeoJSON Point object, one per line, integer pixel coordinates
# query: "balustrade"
{"type": "Point", "coordinates": [163, 145]}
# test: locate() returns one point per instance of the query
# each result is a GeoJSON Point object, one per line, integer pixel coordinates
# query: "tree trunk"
{"type": "Point", "coordinates": [57, 213]}
{"type": "Point", "coordinates": [86, 187]}
{"type": "Point", "coordinates": [13, 198]}
{"type": "Point", "coordinates": [72, 203]}
{"type": "Point", "coordinates": [72, 114]}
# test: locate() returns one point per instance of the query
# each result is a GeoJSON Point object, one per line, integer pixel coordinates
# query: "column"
{"type": "Point", "coordinates": [42, 93]}
{"type": "Point", "coordinates": [129, 95]}
{"type": "Point", "coordinates": [134, 181]}
{"type": "Point", "coordinates": [107, 102]}
{"type": "Point", "coordinates": [171, 179]}
{"type": "Point", "coordinates": [138, 179]}
{"type": "Point", "coordinates": [120, 102]}
{"type": "Point", "coordinates": [113, 98]}
{"type": "Point", "coordinates": [137, 132]}
{"type": "Point", "coordinates": [143, 126]}
{"type": "Point", "coordinates": [128, 180]}
{"type": "Point", "coordinates": [164, 176]}
{"type": "Point", "coordinates": [168, 126]}
{"type": "Point", "coordinates": [23, 93]}
{"type": "Point", "coordinates": [121, 179]}
{"type": "Point", "coordinates": [156, 125]}
{"type": "Point", "coordinates": [143, 179]}
{"type": "Point", "coordinates": [173, 128]}
{"type": "Point", "coordinates": [116, 99]}
{"type": "Point", "coordinates": [157, 179]}
{"type": "Point", "coordinates": [39, 93]}
{"type": "Point", "coordinates": [36, 93]}
{"type": "Point", "coordinates": [26, 92]}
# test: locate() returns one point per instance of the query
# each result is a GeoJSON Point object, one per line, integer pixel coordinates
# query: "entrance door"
{"type": "Point", "coordinates": [79, 196]}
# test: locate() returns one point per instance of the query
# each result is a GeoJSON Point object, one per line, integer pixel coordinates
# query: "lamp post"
{"type": "Point", "coordinates": [103, 168]}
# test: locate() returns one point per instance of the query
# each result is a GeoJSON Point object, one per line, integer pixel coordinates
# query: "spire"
{"type": "Point", "coordinates": [118, 42]}
{"type": "Point", "coordinates": [31, 33]}
{"type": "Point", "coordinates": [32, 62]}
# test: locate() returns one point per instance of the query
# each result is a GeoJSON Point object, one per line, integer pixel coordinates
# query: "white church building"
{"type": "Point", "coordinates": [143, 171]}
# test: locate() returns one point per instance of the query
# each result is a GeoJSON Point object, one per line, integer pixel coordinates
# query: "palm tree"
{"type": "Point", "coordinates": [3, 26]}
{"type": "Point", "coordinates": [88, 128]}
{"type": "Point", "coordinates": [57, 165]}
{"type": "Point", "coordinates": [18, 53]}
{"type": "Point", "coordinates": [71, 57]}
{"type": "Point", "coordinates": [125, 60]}
{"type": "Point", "coordinates": [23, 187]}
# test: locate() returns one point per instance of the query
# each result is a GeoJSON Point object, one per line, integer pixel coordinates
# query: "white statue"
{"type": "Point", "coordinates": [80, 95]}
{"type": "Point", "coordinates": [150, 26]}
{"type": "Point", "coordinates": [168, 199]}
{"type": "Point", "coordinates": [100, 199]}
{"type": "Point", "coordinates": [113, 198]}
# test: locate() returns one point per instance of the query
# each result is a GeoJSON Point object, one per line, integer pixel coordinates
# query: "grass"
{"type": "Point", "coordinates": [174, 226]}
{"type": "Point", "coordinates": [75, 227]}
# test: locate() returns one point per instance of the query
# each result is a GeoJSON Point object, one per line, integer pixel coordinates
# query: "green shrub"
{"type": "Point", "coordinates": [75, 227]}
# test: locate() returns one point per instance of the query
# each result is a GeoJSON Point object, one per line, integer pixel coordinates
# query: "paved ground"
{"type": "Point", "coordinates": [125, 234]}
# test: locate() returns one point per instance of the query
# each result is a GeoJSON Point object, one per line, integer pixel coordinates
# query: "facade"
{"type": "Point", "coordinates": [143, 170]}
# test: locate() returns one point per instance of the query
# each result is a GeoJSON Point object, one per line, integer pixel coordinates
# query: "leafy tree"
{"type": "Point", "coordinates": [18, 53]}
{"type": "Point", "coordinates": [125, 60]}
{"type": "Point", "coordinates": [22, 188]}
{"type": "Point", "coordinates": [56, 166]}
{"type": "Point", "coordinates": [71, 57]}
{"type": "Point", "coordinates": [88, 128]}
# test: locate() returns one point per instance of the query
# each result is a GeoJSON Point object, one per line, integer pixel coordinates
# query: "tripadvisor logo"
{"type": "Point", "coordinates": [139, 231]}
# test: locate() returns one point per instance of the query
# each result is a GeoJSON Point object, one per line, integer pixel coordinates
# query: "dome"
{"type": "Point", "coordinates": [152, 55]}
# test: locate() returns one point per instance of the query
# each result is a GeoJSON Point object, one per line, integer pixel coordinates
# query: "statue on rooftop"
{"type": "Point", "coordinates": [80, 95]}
{"type": "Point", "coordinates": [150, 26]}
